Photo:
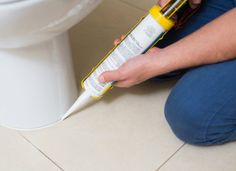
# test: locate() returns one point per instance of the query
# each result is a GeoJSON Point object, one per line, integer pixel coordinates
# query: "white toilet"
{"type": "Point", "coordinates": [37, 84]}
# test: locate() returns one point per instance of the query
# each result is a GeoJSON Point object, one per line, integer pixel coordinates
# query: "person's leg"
{"type": "Point", "coordinates": [201, 109]}
{"type": "Point", "coordinates": [209, 10]}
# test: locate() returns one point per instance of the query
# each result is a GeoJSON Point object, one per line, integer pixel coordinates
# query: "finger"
{"type": "Point", "coordinates": [116, 42]}
{"type": "Point", "coordinates": [162, 3]}
{"type": "Point", "coordinates": [123, 37]}
{"type": "Point", "coordinates": [110, 76]}
{"type": "Point", "coordinates": [194, 3]}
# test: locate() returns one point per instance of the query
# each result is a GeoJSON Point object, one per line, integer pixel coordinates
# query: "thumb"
{"type": "Point", "coordinates": [110, 76]}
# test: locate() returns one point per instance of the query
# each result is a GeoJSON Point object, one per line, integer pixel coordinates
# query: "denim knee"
{"type": "Point", "coordinates": [186, 122]}
{"type": "Point", "coordinates": [193, 126]}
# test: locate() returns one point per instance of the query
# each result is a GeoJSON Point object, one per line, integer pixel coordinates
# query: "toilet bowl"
{"type": "Point", "coordinates": [36, 69]}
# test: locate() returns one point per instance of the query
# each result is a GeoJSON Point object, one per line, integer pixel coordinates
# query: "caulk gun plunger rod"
{"type": "Point", "coordinates": [172, 7]}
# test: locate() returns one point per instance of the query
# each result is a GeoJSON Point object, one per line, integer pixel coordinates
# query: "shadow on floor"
{"type": "Point", "coordinates": [145, 88]}
{"type": "Point", "coordinates": [148, 87]}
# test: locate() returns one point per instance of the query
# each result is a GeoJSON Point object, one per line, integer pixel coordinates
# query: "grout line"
{"type": "Point", "coordinates": [158, 169]}
{"type": "Point", "coordinates": [132, 5]}
{"type": "Point", "coordinates": [45, 155]}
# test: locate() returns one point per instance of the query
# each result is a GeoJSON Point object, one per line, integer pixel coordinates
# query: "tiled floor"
{"type": "Point", "coordinates": [126, 131]}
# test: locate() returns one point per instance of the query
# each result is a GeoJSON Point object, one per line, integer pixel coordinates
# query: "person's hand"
{"type": "Point", "coordinates": [134, 71]}
{"type": "Point", "coordinates": [193, 3]}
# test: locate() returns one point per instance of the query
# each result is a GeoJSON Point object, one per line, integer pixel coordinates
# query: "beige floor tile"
{"type": "Point", "coordinates": [217, 158]}
{"type": "Point", "coordinates": [125, 131]}
{"type": "Point", "coordinates": [93, 37]}
{"type": "Point", "coordinates": [19, 155]}
{"type": "Point", "coordinates": [141, 4]}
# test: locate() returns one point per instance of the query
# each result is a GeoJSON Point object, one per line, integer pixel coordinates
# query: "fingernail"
{"type": "Point", "coordinates": [101, 79]}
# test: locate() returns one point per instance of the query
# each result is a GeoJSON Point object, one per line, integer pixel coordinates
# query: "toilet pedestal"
{"type": "Point", "coordinates": [37, 84]}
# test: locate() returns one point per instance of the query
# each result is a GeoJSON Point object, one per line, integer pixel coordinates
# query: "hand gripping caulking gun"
{"type": "Point", "coordinates": [142, 37]}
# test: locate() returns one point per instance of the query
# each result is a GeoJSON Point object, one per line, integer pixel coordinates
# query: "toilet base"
{"type": "Point", "coordinates": [37, 84]}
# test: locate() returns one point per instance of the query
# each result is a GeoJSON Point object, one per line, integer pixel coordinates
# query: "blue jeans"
{"type": "Point", "coordinates": [201, 108]}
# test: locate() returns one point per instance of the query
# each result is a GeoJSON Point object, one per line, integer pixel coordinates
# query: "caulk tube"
{"type": "Point", "coordinates": [142, 37]}
{"type": "Point", "coordinates": [147, 32]}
